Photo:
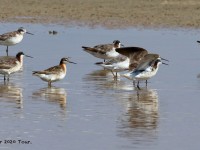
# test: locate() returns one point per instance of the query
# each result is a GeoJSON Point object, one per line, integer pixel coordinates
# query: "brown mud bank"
{"type": "Point", "coordinates": [108, 13]}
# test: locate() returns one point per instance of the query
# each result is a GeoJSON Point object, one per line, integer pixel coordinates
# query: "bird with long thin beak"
{"type": "Point", "coordinates": [146, 69]}
{"type": "Point", "coordinates": [104, 51]}
{"type": "Point", "coordinates": [11, 64]}
{"type": "Point", "coordinates": [128, 59]}
{"type": "Point", "coordinates": [12, 38]}
{"type": "Point", "coordinates": [54, 73]}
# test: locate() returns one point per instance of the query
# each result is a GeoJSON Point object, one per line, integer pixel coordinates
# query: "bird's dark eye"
{"type": "Point", "coordinates": [158, 60]}
{"type": "Point", "coordinates": [20, 30]}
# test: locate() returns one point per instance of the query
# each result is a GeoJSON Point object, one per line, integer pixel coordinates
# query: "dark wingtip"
{"type": "Point", "coordinates": [117, 50]}
{"type": "Point", "coordinates": [99, 63]}
{"type": "Point", "coordinates": [198, 41]}
{"type": "Point", "coordinates": [34, 72]}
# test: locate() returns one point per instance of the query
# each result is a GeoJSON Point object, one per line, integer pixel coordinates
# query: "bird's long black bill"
{"type": "Point", "coordinates": [164, 63]}
{"type": "Point", "coordinates": [28, 56]}
{"type": "Point", "coordinates": [29, 33]}
{"type": "Point", "coordinates": [164, 59]}
{"type": "Point", "coordinates": [72, 62]}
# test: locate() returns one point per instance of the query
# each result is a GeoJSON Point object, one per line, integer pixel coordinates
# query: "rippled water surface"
{"type": "Point", "coordinates": [88, 110]}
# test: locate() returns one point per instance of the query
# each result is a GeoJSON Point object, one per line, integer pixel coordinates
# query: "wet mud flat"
{"type": "Point", "coordinates": [108, 13]}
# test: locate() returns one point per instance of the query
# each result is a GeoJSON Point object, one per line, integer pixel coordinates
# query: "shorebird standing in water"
{"type": "Point", "coordinates": [55, 73]}
{"type": "Point", "coordinates": [12, 38]}
{"type": "Point", "coordinates": [104, 51]}
{"type": "Point", "coordinates": [10, 64]}
{"type": "Point", "coordinates": [128, 59]}
{"type": "Point", "coordinates": [146, 69]}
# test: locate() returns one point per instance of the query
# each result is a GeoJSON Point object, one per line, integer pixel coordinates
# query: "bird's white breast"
{"type": "Point", "coordinates": [112, 53]}
{"type": "Point", "coordinates": [148, 73]}
{"type": "Point", "coordinates": [12, 40]}
{"type": "Point", "coordinates": [52, 77]}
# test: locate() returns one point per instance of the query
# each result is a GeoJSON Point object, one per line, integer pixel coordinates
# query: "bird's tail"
{"type": "Point", "coordinates": [93, 50]}
{"type": "Point", "coordinates": [99, 63]}
{"type": "Point", "coordinates": [35, 73]}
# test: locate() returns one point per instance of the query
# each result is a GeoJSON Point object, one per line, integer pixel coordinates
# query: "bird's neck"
{"type": "Point", "coordinates": [20, 59]}
{"type": "Point", "coordinates": [63, 66]}
{"type": "Point", "coordinates": [20, 33]}
{"type": "Point", "coordinates": [155, 67]}
{"type": "Point", "coordinates": [116, 46]}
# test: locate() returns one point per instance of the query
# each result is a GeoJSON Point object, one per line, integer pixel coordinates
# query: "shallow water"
{"type": "Point", "coordinates": [87, 109]}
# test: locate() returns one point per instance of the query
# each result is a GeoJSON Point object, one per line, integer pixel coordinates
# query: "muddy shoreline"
{"type": "Point", "coordinates": [107, 13]}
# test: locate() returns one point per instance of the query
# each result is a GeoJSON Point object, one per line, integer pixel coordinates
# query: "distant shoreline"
{"type": "Point", "coordinates": [106, 13]}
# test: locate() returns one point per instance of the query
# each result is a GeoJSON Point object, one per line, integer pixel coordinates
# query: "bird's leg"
{"type": "Point", "coordinates": [115, 77]}
{"type": "Point", "coordinates": [146, 83]}
{"type": "Point", "coordinates": [113, 74]}
{"type": "Point", "coordinates": [4, 82]}
{"type": "Point", "coordinates": [4, 78]}
{"type": "Point", "coordinates": [8, 77]}
{"type": "Point", "coordinates": [104, 62]}
{"type": "Point", "coordinates": [134, 83]}
{"type": "Point", "coordinates": [7, 50]}
{"type": "Point", "coordinates": [49, 84]}
{"type": "Point", "coordinates": [138, 85]}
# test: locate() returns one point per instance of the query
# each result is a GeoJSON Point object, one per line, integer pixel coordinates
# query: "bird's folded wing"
{"type": "Point", "coordinates": [147, 61]}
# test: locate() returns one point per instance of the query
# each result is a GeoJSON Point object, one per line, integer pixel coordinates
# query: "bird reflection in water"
{"type": "Point", "coordinates": [99, 75]}
{"type": "Point", "coordinates": [103, 78]}
{"type": "Point", "coordinates": [53, 95]}
{"type": "Point", "coordinates": [12, 94]}
{"type": "Point", "coordinates": [140, 120]}
{"type": "Point", "coordinates": [100, 81]}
